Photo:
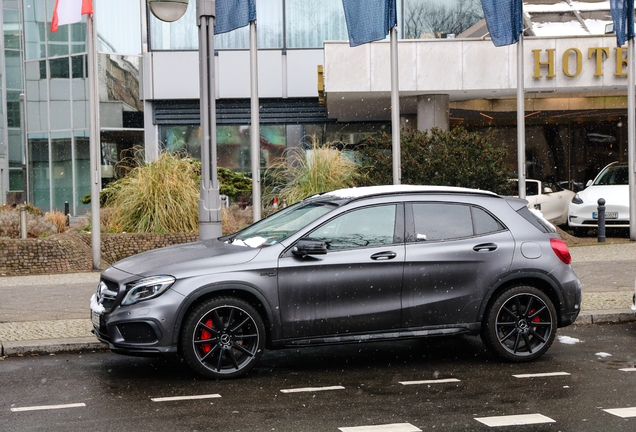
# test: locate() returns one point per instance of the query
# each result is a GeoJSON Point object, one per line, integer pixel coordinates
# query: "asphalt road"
{"type": "Point", "coordinates": [353, 386]}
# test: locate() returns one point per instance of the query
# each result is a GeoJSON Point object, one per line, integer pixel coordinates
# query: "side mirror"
{"type": "Point", "coordinates": [547, 190]}
{"type": "Point", "coordinates": [307, 246]}
{"type": "Point", "coordinates": [589, 183]}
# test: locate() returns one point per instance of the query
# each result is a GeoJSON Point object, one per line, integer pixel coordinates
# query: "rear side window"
{"type": "Point", "coordinates": [444, 221]}
{"type": "Point", "coordinates": [540, 223]}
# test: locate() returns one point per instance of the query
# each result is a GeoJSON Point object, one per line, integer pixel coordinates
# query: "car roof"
{"type": "Point", "coordinates": [367, 191]}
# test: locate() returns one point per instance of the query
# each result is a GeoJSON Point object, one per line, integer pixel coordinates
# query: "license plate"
{"type": "Point", "coordinates": [95, 318]}
{"type": "Point", "coordinates": [608, 215]}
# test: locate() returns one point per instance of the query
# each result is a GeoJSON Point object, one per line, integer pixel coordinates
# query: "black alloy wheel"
{"type": "Point", "coordinates": [223, 338]}
{"type": "Point", "coordinates": [520, 325]}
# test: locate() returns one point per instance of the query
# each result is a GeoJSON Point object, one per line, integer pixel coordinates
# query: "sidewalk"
{"type": "Point", "coordinates": [48, 314]}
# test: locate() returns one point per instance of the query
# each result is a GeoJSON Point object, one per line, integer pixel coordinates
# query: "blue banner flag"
{"type": "Point", "coordinates": [369, 20]}
{"type": "Point", "coordinates": [504, 19]}
{"type": "Point", "coordinates": [232, 14]}
{"type": "Point", "coordinates": [623, 17]}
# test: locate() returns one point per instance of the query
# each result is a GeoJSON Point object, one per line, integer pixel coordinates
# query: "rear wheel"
{"type": "Point", "coordinates": [223, 338]}
{"type": "Point", "coordinates": [520, 325]}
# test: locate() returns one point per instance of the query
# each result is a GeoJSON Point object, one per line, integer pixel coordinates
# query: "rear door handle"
{"type": "Point", "coordinates": [485, 247]}
{"type": "Point", "coordinates": [383, 255]}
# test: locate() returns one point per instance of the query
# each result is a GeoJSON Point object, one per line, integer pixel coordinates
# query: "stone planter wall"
{"type": "Point", "coordinates": [72, 252]}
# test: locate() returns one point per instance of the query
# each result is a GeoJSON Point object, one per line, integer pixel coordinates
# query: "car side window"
{"type": "Point", "coordinates": [440, 221]}
{"type": "Point", "coordinates": [371, 226]}
{"type": "Point", "coordinates": [484, 223]}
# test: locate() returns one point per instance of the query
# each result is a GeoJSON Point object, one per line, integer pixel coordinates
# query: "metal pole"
{"type": "Point", "coordinates": [94, 143]}
{"type": "Point", "coordinates": [395, 109]}
{"type": "Point", "coordinates": [210, 202]}
{"type": "Point", "coordinates": [255, 130]}
{"type": "Point", "coordinates": [23, 222]}
{"type": "Point", "coordinates": [521, 122]}
{"type": "Point", "coordinates": [631, 136]}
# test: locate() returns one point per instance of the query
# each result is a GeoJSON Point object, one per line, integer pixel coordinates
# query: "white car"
{"type": "Point", "coordinates": [612, 184]}
{"type": "Point", "coordinates": [549, 198]}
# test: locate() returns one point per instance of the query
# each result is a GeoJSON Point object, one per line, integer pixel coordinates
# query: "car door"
{"type": "Point", "coordinates": [356, 286]}
{"type": "Point", "coordinates": [454, 253]}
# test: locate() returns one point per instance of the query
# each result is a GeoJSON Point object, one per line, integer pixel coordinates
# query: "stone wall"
{"type": "Point", "coordinates": [72, 252]}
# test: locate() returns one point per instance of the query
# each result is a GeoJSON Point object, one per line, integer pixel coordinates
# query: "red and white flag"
{"type": "Point", "coordinates": [69, 12]}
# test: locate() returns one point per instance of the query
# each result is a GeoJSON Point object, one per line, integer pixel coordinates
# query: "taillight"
{"type": "Point", "coordinates": [561, 250]}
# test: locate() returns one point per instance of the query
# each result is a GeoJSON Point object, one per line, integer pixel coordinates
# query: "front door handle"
{"type": "Point", "coordinates": [383, 255]}
{"type": "Point", "coordinates": [485, 247]}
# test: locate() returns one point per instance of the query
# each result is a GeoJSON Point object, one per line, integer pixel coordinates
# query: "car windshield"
{"type": "Point", "coordinates": [281, 224]}
{"type": "Point", "coordinates": [613, 175]}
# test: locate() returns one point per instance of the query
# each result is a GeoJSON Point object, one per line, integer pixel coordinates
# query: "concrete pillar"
{"type": "Point", "coordinates": [433, 111]}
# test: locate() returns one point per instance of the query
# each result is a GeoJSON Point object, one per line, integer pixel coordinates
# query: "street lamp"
{"type": "Point", "coordinates": [210, 201]}
{"type": "Point", "coordinates": [168, 10]}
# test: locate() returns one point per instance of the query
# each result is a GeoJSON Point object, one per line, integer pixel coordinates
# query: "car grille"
{"type": "Point", "coordinates": [107, 293]}
{"type": "Point", "coordinates": [607, 222]}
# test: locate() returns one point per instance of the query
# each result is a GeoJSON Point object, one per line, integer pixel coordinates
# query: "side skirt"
{"type": "Point", "coordinates": [473, 329]}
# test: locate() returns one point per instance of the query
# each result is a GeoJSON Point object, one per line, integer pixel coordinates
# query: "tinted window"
{"type": "Point", "coordinates": [372, 226]}
{"type": "Point", "coordinates": [484, 223]}
{"type": "Point", "coordinates": [540, 223]}
{"type": "Point", "coordinates": [438, 221]}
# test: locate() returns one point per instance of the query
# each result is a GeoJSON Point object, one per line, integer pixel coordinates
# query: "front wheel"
{"type": "Point", "coordinates": [520, 325]}
{"type": "Point", "coordinates": [223, 338]}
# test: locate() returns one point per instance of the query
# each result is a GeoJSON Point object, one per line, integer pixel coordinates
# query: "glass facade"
{"type": "Point", "coordinates": [57, 105]}
{"type": "Point", "coordinates": [12, 131]}
{"type": "Point", "coordinates": [233, 141]}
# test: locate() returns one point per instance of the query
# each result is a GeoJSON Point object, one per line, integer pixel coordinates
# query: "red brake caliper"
{"type": "Point", "coordinates": [206, 335]}
{"type": "Point", "coordinates": [535, 319]}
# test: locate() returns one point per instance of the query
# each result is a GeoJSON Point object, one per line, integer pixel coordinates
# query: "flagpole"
{"type": "Point", "coordinates": [94, 143]}
{"type": "Point", "coordinates": [631, 135]}
{"type": "Point", "coordinates": [255, 130]}
{"type": "Point", "coordinates": [210, 203]}
{"type": "Point", "coordinates": [395, 109]}
{"type": "Point", "coordinates": [521, 122]}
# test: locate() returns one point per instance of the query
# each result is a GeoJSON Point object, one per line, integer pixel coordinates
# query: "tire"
{"type": "Point", "coordinates": [236, 336]}
{"type": "Point", "coordinates": [520, 324]}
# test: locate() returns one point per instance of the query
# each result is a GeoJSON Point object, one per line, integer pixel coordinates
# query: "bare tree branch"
{"type": "Point", "coordinates": [426, 16]}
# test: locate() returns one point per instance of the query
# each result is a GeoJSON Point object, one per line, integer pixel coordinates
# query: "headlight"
{"type": "Point", "coordinates": [577, 199]}
{"type": "Point", "coordinates": [147, 288]}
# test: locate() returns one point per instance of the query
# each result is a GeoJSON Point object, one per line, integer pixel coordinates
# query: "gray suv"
{"type": "Point", "coordinates": [353, 265]}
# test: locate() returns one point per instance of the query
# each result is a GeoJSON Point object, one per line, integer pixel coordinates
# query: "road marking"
{"type": "Point", "coordinates": [48, 407]}
{"type": "Point", "coordinates": [515, 420]}
{"type": "Point", "coordinates": [181, 398]}
{"type": "Point", "coordinates": [548, 374]}
{"type": "Point", "coordinates": [622, 412]}
{"type": "Point", "coordinates": [311, 389]}
{"type": "Point", "coordinates": [632, 369]}
{"type": "Point", "coordinates": [438, 381]}
{"type": "Point", "coordinates": [395, 427]}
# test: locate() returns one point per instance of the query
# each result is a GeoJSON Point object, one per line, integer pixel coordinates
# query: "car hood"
{"type": "Point", "coordinates": [613, 194]}
{"type": "Point", "coordinates": [182, 258]}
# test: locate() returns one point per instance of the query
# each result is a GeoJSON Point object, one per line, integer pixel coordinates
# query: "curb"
{"type": "Point", "coordinates": [608, 316]}
{"type": "Point", "coordinates": [51, 346]}
{"type": "Point", "coordinates": [73, 345]}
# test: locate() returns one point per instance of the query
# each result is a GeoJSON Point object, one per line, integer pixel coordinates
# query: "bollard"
{"type": "Point", "coordinates": [66, 213]}
{"type": "Point", "coordinates": [601, 220]}
{"type": "Point", "coordinates": [23, 222]}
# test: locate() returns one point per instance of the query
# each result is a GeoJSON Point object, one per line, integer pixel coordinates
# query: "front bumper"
{"type": "Point", "coordinates": [142, 329]}
{"type": "Point", "coordinates": [581, 216]}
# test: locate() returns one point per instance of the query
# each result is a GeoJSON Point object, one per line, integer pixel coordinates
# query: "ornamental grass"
{"type": "Point", "coordinates": [159, 196]}
{"type": "Point", "coordinates": [308, 172]}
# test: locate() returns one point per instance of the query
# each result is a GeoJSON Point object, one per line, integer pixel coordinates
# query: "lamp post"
{"type": "Point", "coordinates": [210, 202]}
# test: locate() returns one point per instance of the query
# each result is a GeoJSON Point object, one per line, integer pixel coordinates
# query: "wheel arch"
{"type": "Point", "coordinates": [535, 279]}
{"type": "Point", "coordinates": [244, 292]}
